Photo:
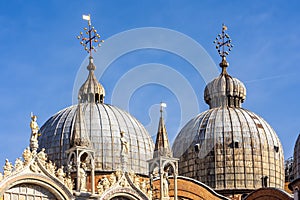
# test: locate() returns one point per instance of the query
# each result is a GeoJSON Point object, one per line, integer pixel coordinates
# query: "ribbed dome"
{"type": "Point", "coordinates": [225, 91]}
{"type": "Point", "coordinates": [296, 164]}
{"type": "Point", "coordinates": [230, 148]}
{"type": "Point", "coordinates": [103, 125]}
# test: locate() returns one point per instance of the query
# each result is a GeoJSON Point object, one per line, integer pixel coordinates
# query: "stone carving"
{"type": "Point", "coordinates": [137, 181]}
{"type": "Point", "coordinates": [69, 183]}
{"type": "Point", "coordinates": [123, 182]}
{"type": "Point", "coordinates": [34, 167]}
{"type": "Point", "coordinates": [100, 188]}
{"type": "Point", "coordinates": [18, 164]}
{"type": "Point", "coordinates": [1, 176]}
{"type": "Point", "coordinates": [105, 183]}
{"type": "Point", "coordinates": [51, 167]}
{"type": "Point", "coordinates": [82, 177]}
{"type": "Point", "coordinates": [124, 150]}
{"type": "Point", "coordinates": [112, 179]}
{"type": "Point", "coordinates": [42, 157]}
{"type": "Point", "coordinates": [7, 168]}
{"type": "Point", "coordinates": [60, 174]}
{"type": "Point", "coordinates": [27, 156]}
{"type": "Point", "coordinates": [34, 133]}
{"type": "Point", "coordinates": [119, 174]}
{"type": "Point", "coordinates": [144, 186]}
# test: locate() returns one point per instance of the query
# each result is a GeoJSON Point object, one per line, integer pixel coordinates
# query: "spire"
{"type": "Point", "coordinates": [91, 91]}
{"type": "Point", "coordinates": [223, 45]}
{"type": "Point", "coordinates": [162, 146]}
{"type": "Point", "coordinates": [80, 137]}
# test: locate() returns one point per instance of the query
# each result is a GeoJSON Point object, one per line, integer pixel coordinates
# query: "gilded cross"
{"type": "Point", "coordinates": [91, 36]}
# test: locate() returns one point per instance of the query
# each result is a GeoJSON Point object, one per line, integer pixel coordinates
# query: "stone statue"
{"type": "Point", "coordinates": [18, 164]}
{"type": "Point", "coordinates": [34, 128]}
{"type": "Point", "coordinates": [82, 177]}
{"type": "Point", "coordinates": [34, 134]}
{"type": "Point", "coordinates": [27, 156]}
{"type": "Point", "coordinates": [60, 174]}
{"type": "Point", "coordinates": [165, 185]}
{"type": "Point", "coordinates": [124, 144]}
{"type": "Point", "coordinates": [7, 168]}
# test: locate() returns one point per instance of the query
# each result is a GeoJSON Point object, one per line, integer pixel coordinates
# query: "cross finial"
{"type": "Point", "coordinates": [162, 106]}
{"type": "Point", "coordinates": [92, 36]}
{"type": "Point", "coordinates": [223, 46]}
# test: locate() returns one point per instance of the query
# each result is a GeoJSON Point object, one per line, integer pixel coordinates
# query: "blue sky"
{"type": "Point", "coordinates": [40, 57]}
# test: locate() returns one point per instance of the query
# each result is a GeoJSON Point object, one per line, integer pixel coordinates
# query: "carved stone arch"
{"type": "Point", "coordinates": [168, 162]}
{"type": "Point", "coordinates": [128, 193]}
{"type": "Point", "coordinates": [59, 190]}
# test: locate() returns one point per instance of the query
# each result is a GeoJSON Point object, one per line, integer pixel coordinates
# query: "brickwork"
{"type": "Point", "coordinates": [189, 189]}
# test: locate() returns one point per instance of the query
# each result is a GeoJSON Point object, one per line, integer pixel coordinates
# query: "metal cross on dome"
{"type": "Point", "coordinates": [223, 43]}
{"type": "Point", "coordinates": [92, 36]}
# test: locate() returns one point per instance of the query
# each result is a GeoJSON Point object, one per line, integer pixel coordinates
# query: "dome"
{"type": "Point", "coordinates": [296, 163]}
{"type": "Point", "coordinates": [225, 91]}
{"type": "Point", "coordinates": [230, 148]}
{"type": "Point", "coordinates": [96, 127]}
{"type": "Point", "coordinates": [104, 133]}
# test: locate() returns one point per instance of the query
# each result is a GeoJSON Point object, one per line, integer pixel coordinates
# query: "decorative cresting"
{"type": "Point", "coordinates": [224, 90]}
{"type": "Point", "coordinates": [33, 170]}
{"type": "Point", "coordinates": [163, 165]}
{"type": "Point", "coordinates": [123, 184]}
{"type": "Point", "coordinates": [91, 91]}
{"type": "Point", "coordinates": [162, 146]}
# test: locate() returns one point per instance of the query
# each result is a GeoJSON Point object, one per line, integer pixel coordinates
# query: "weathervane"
{"type": "Point", "coordinates": [223, 45]}
{"type": "Point", "coordinates": [92, 36]}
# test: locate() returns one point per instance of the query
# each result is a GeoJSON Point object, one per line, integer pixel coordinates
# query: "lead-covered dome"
{"type": "Point", "coordinates": [103, 131]}
{"type": "Point", "coordinates": [96, 127]}
{"type": "Point", "coordinates": [229, 148]}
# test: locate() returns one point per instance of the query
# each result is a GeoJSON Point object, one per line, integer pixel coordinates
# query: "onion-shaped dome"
{"type": "Point", "coordinates": [91, 90]}
{"type": "Point", "coordinates": [97, 126]}
{"type": "Point", "coordinates": [225, 91]}
{"type": "Point", "coordinates": [296, 163]}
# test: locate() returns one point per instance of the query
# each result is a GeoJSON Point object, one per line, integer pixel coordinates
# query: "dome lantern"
{"type": "Point", "coordinates": [224, 90]}
{"type": "Point", "coordinates": [91, 91]}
